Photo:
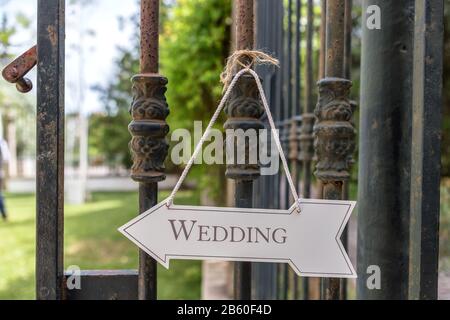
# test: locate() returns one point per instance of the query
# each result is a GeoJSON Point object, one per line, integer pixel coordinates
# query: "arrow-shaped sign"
{"type": "Point", "coordinates": [309, 241]}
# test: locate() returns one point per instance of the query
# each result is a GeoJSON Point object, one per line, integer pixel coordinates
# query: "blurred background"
{"type": "Point", "coordinates": [102, 53]}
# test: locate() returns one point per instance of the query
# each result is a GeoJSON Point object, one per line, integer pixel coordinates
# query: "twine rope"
{"type": "Point", "coordinates": [245, 59]}
{"type": "Point", "coordinates": [253, 58]}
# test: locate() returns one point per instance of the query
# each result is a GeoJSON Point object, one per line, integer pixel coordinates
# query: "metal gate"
{"type": "Point", "coordinates": [321, 134]}
{"type": "Point", "coordinates": [293, 99]}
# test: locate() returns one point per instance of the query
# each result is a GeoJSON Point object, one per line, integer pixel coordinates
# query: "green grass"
{"type": "Point", "coordinates": [91, 242]}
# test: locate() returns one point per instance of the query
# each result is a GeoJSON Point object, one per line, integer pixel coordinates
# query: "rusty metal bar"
{"type": "Point", "coordinates": [334, 132]}
{"type": "Point", "coordinates": [149, 36]}
{"type": "Point", "coordinates": [244, 118]}
{"type": "Point", "coordinates": [148, 128]}
{"type": "Point", "coordinates": [348, 39]}
{"type": "Point", "coordinates": [334, 63]}
{"type": "Point", "coordinates": [15, 71]}
{"type": "Point", "coordinates": [296, 120]}
{"type": "Point", "coordinates": [306, 137]}
{"type": "Point", "coordinates": [289, 92]}
{"type": "Point", "coordinates": [309, 65]}
{"type": "Point", "coordinates": [285, 125]}
{"type": "Point", "coordinates": [50, 151]}
{"type": "Point", "coordinates": [425, 153]}
{"type": "Point", "coordinates": [314, 283]}
{"type": "Point", "coordinates": [289, 134]}
{"type": "Point", "coordinates": [285, 121]}
{"type": "Point", "coordinates": [335, 39]}
{"type": "Point", "coordinates": [323, 37]}
{"type": "Point", "coordinates": [297, 101]}
{"type": "Point", "coordinates": [245, 34]}
{"type": "Point", "coordinates": [147, 284]}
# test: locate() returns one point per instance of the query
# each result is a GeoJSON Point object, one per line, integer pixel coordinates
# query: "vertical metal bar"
{"type": "Point", "coordinates": [289, 91]}
{"type": "Point", "coordinates": [335, 40]}
{"type": "Point", "coordinates": [323, 37]}
{"type": "Point", "coordinates": [334, 64]}
{"type": "Point", "coordinates": [242, 270]}
{"type": "Point", "coordinates": [244, 119]}
{"type": "Point", "coordinates": [425, 153]}
{"type": "Point", "coordinates": [309, 103]}
{"type": "Point", "coordinates": [147, 277]}
{"type": "Point", "coordinates": [306, 137]}
{"type": "Point", "coordinates": [264, 275]}
{"type": "Point", "coordinates": [260, 274]}
{"type": "Point", "coordinates": [50, 150]}
{"type": "Point", "coordinates": [148, 191]}
{"type": "Point", "coordinates": [347, 75]}
{"type": "Point", "coordinates": [280, 114]}
{"type": "Point", "coordinates": [297, 59]}
{"type": "Point", "coordinates": [313, 292]}
{"type": "Point", "coordinates": [148, 129]}
{"type": "Point", "coordinates": [245, 35]}
{"type": "Point", "coordinates": [385, 150]}
{"type": "Point", "coordinates": [149, 36]}
{"type": "Point", "coordinates": [294, 147]}
{"type": "Point", "coordinates": [285, 125]}
{"type": "Point", "coordinates": [348, 39]}
{"type": "Point", "coordinates": [334, 131]}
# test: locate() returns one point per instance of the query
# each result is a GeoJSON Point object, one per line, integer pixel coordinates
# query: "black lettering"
{"type": "Point", "coordinates": [232, 234]}
{"type": "Point", "coordinates": [202, 233]}
{"type": "Point", "coordinates": [249, 234]}
{"type": "Point", "coordinates": [215, 237]}
{"type": "Point", "coordinates": [266, 237]}
{"type": "Point", "coordinates": [283, 238]}
{"type": "Point", "coordinates": [183, 227]}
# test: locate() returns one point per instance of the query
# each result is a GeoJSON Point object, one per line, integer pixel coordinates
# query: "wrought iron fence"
{"type": "Point", "coordinates": [279, 28]}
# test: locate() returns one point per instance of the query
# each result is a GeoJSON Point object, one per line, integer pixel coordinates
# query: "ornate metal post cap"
{"type": "Point", "coordinates": [148, 128]}
{"type": "Point", "coordinates": [333, 89]}
{"type": "Point", "coordinates": [244, 110]}
{"type": "Point", "coordinates": [334, 132]}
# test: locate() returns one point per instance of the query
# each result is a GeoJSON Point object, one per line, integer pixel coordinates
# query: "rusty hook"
{"type": "Point", "coordinates": [15, 71]}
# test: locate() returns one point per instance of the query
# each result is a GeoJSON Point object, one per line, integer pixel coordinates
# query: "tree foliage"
{"type": "Point", "coordinates": [194, 44]}
{"type": "Point", "coordinates": [194, 47]}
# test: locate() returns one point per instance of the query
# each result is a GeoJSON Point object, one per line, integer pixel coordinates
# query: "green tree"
{"type": "Point", "coordinates": [194, 44]}
{"type": "Point", "coordinates": [194, 47]}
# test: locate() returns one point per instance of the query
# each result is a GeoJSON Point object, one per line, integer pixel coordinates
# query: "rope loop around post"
{"type": "Point", "coordinates": [245, 59]}
{"type": "Point", "coordinates": [229, 81]}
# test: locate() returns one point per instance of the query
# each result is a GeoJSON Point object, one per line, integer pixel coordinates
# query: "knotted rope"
{"type": "Point", "coordinates": [246, 59]}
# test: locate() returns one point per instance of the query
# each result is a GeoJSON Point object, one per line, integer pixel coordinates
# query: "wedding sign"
{"type": "Point", "coordinates": [307, 236]}
{"type": "Point", "coordinates": [308, 241]}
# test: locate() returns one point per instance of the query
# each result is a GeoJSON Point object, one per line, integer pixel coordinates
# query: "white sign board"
{"type": "Point", "coordinates": [309, 241]}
